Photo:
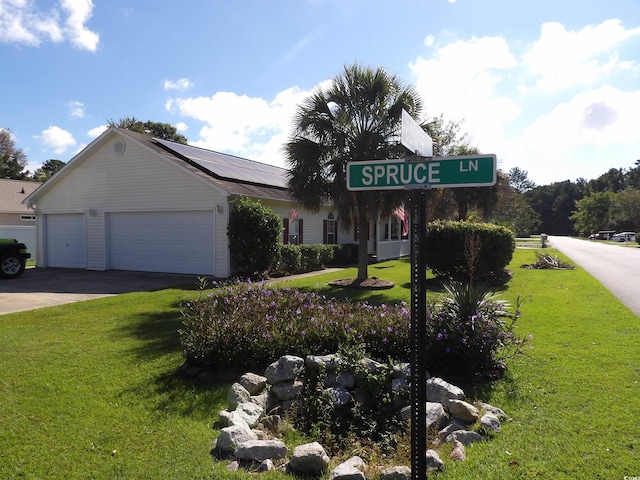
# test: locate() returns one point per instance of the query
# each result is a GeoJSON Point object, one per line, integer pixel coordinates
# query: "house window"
{"type": "Point", "coordinates": [27, 218]}
{"type": "Point", "coordinates": [292, 231]}
{"type": "Point", "coordinates": [330, 230]}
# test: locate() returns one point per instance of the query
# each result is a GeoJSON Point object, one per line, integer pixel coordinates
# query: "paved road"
{"type": "Point", "coordinates": [617, 267]}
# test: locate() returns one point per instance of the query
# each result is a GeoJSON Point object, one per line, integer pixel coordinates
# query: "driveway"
{"type": "Point", "coordinates": [45, 287]}
{"type": "Point", "coordinates": [617, 267]}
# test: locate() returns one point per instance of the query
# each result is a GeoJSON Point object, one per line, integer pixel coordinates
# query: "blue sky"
{"type": "Point", "coordinates": [550, 86]}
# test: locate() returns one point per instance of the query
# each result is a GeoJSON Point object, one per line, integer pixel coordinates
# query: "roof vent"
{"type": "Point", "coordinates": [119, 147]}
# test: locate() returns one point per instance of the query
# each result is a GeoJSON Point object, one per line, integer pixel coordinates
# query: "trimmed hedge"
{"type": "Point", "coordinates": [469, 251]}
{"type": "Point", "coordinates": [309, 257]}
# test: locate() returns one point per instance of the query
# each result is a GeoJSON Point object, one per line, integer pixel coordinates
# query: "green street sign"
{"type": "Point", "coordinates": [436, 172]}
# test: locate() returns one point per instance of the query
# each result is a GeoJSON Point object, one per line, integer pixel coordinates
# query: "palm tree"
{"type": "Point", "coordinates": [357, 117]}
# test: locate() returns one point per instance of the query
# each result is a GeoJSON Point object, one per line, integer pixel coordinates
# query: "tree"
{"type": "Point", "coordinates": [163, 131]}
{"type": "Point", "coordinates": [519, 180]}
{"type": "Point", "coordinates": [46, 171]}
{"type": "Point", "coordinates": [355, 118]}
{"type": "Point", "coordinates": [12, 160]}
{"type": "Point", "coordinates": [626, 210]}
{"type": "Point", "coordinates": [554, 204]}
{"type": "Point", "coordinates": [593, 212]}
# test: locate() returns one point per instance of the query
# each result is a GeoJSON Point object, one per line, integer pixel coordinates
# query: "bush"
{"type": "Point", "coordinates": [345, 254]}
{"type": "Point", "coordinates": [254, 233]}
{"type": "Point", "coordinates": [245, 326]}
{"type": "Point", "coordinates": [468, 251]}
{"type": "Point", "coordinates": [248, 325]}
{"type": "Point", "coordinates": [311, 255]}
{"type": "Point", "coordinates": [471, 331]}
{"type": "Point", "coordinates": [291, 258]}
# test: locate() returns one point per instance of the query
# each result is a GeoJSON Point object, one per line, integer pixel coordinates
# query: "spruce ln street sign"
{"type": "Point", "coordinates": [437, 172]}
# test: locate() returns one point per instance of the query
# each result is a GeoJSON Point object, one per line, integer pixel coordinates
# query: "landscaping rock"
{"type": "Point", "coordinates": [260, 450]}
{"type": "Point", "coordinates": [329, 363]}
{"type": "Point", "coordinates": [436, 416]}
{"type": "Point", "coordinates": [349, 470]}
{"type": "Point", "coordinates": [455, 425]}
{"type": "Point", "coordinates": [440, 391]}
{"type": "Point", "coordinates": [285, 369]}
{"type": "Point", "coordinates": [339, 396]}
{"type": "Point", "coordinates": [308, 460]}
{"type": "Point", "coordinates": [434, 462]}
{"type": "Point", "coordinates": [253, 383]}
{"type": "Point", "coordinates": [396, 473]}
{"type": "Point", "coordinates": [231, 437]}
{"type": "Point", "coordinates": [495, 410]}
{"type": "Point", "coordinates": [490, 423]}
{"type": "Point", "coordinates": [237, 395]}
{"type": "Point", "coordinates": [341, 379]}
{"type": "Point", "coordinates": [287, 390]}
{"type": "Point", "coordinates": [463, 410]}
{"type": "Point", "coordinates": [465, 437]}
{"type": "Point", "coordinates": [403, 370]}
{"type": "Point", "coordinates": [266, 465]}
{"type": "Point", "coordinates": [457, 452]}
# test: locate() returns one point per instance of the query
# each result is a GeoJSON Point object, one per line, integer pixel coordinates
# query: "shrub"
{"type": "Point", "coordinates": [254, 233]}
{"type": "Point", "coordinates": [345, 254]}
{"type": "Point", "coordinates": [248, 325]}
{"type": "Point", "coordinates": [291, 258]}
{"type": "Point", "coordinates": [310, 257]}
{"type": "Point", "coordinates": [471, 331]}
{"type": "Point", "coordinates": [468, 251]}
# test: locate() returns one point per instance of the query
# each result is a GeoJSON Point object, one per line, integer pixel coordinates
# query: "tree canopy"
{"type": "Point", "coordinates": [47, 170]}
{"type": "Point", "coordinates": [13, 161]}
{"type": "Point", "coordinates": [355, 118]}
{"type": "Point", "coordinates": [164, 131]}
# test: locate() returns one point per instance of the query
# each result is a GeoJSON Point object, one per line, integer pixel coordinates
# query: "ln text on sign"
{"type": "Point", "coordinates": [438, 172]}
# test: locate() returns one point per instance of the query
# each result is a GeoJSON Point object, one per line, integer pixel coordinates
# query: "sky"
{"type": "Point", "coordinates": [551, 87]}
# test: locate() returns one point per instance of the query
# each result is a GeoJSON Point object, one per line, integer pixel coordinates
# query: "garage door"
{"type": "Point", "coordinates": [172, 242]}
{"type": "Point", "coordinates": [65, 240]}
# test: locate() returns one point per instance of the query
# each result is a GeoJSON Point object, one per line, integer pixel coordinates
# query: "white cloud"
{"type": "Point", "coordinates": [564, 58]}
{"type": "Point", "coordinates": [182, 127]}
{"type": "Point", "coordinates": [22, 22]}
{"type": "Point", "coordinates": [76, 109]}
{"type": "Point", "coordinates": [56, 139]}
{"type": "Point", "coordinates": [462, 80]}
{"type": "Point", "coordinates": [180, 84]}
{"type": "Point", "coordinates": [252, 127]}
{"type": "Point", "coordinates": [79, 12]}
{"type": "Point", "coordinates": [97, 131]}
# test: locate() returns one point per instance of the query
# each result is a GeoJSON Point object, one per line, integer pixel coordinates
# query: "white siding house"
{"type": "Point", "coordinates": [131, 202]}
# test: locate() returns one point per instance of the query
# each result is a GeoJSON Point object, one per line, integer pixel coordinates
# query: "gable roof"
{"type": "Point", "coordinates": [233, 175]}
{"type": "Point", "coordinates": [12, 194]}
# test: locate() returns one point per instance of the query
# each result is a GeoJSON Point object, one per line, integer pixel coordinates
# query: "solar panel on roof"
{"type": "Point", "coordinates": [231, 167]}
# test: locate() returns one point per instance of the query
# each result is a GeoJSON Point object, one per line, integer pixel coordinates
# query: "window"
{"type": "Point", "coordinates": [292, 231]}
{"type": "Point", "coordinates": [330, 230]}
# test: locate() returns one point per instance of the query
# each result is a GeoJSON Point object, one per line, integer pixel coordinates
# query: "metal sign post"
{"type": "Point", "coordinates": [418, 335]}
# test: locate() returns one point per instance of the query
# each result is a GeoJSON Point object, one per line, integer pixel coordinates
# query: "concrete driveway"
{"type": "Point", "coordinates": [45, 287]}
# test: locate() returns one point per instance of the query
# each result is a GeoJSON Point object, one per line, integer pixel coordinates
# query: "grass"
{"type": "Point", "coordinates": [89, 389]}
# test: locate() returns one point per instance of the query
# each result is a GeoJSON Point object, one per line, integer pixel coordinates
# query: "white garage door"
{"type": "Point", "coordinates": [65, 240]}
{"type": "Point", "coordinates": [172, 242]}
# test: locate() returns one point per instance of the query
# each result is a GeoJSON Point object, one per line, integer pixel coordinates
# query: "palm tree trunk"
{"type": "Point", "coordinates": [363, 254]}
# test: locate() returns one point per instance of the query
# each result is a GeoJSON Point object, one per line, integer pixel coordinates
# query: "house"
{"type": "Point", "coordinates": [17, 220]}
{"type": "Point", "coordinates": [132, 202]}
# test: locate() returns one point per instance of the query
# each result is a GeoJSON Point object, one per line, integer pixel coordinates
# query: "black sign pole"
{"type": "Point", "coordinates": [418, 335]}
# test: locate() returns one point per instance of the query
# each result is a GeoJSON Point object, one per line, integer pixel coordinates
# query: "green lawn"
{"type": "Point", "coordinates": [89, 389]}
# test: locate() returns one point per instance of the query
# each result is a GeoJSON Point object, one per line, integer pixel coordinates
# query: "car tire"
{"type": "Point", "coordinates": [11, 266]}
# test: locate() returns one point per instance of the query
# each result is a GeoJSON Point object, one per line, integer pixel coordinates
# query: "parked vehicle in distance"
{"type": "Point", "coordinates": [624, 237]}
{"type": "Point", "coordinates": [13, 258]}
{"type": "Point", "coordinates": [602, 235]}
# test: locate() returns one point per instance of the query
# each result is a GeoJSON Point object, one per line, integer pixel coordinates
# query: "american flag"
{"type": "Point", "coordinates": [404, 218]}
{"type": "Point", "coordinates": [293, 214]}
